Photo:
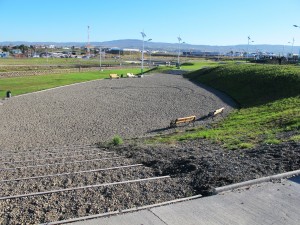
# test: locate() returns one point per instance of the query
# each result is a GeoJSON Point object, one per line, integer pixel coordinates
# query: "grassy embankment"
{"type": "Point", "coordinates": [269, 96]}
{"type": "Point", "coordinates": [22, 85]}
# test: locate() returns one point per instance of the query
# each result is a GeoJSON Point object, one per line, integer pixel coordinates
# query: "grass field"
{"type": "Point", "coordinates": [29, 64]}
{"type": "Point", "coordinates": [193, 65]}
{"type": "Point", "coordinates": [270, 104]}
{"type": "Point", "coordinates": [189, 65]}
{"type": "Point", "coordinates": [49, 61]}
{"type": "Point", "coordinates": [22, 85]}
{"type": "Point", "coordinates": [196, 65]}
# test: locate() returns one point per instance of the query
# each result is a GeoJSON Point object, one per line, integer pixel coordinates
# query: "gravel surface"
{"type": "Point", "coordinates": [76, 203]}
{"type": "Point", "coordinates": [63, 168]}
{"type": "Point", "coordinates": [46, 152]}
{"type": "Point", "coordinates": [72, 204]}
{"type": "Point", "coordinates": [73, 180]}
{"type": "Point", "coordinates": [97, 111]}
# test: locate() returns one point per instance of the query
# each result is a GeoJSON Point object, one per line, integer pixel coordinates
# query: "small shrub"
{"type": "Point", "coordinates": [183, 139]}
{"type": "Point", "coordinates": [246, 145]}
{"type": "Point", "coordinates": [295, 138]}
{"type": "Point", "coordinates": [187, 64]}
{"type": "Point", "coordinates": [272, 141]}
{"type": "Point", "coordinates": [117, 140]}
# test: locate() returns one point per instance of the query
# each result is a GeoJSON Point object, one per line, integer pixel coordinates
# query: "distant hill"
{"type": "Point", "coordinates": [135, 43]}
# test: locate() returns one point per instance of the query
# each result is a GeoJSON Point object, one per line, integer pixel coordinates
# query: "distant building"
{"type": "Point", "coordinates": [16, 51]}
{"type": "Point", "coordinates": [200, 53]}
{"type": "Point", "coordinates": [131, 50]}
{"type": "Point", "coordinates": [116, 51]}
{"type": "Point", "coordinates": [4, 54]}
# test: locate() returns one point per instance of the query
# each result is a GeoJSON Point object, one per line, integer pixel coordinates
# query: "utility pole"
{"type": "Point", "coordinates": [142, 68]}
{"type": "Point", "coordinates": [88, 44]}
{"type": "Point", "coordinates": [178, 61]}
{"type": "Point", "coordinates": [248, 47]}
{"type": "Point", "coordinates": [100, 50]}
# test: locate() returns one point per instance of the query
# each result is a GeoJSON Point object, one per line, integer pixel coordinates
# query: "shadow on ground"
{"type": "Point", "coordinates": [295, 179]}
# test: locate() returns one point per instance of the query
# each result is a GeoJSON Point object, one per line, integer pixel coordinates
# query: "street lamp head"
{"type": "Point", "coordinates": [150, 39]}
{"type": "Point", "coordinates": [296, 26]}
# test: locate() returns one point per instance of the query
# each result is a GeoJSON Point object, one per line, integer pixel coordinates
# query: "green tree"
{"type": "Point", "coordinates": [23, 48]}
{"type": "Point", "coordinates": [5, 49]}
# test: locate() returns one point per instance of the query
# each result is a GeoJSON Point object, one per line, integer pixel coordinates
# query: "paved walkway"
{"type": "Point", "coordinates": [267, 203]}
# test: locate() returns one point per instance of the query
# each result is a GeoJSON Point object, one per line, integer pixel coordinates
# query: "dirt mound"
{"type": "Point", "coordinates": [203, 166]}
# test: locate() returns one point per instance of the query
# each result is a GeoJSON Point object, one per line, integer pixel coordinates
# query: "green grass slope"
{"type": "Point", "coordinates": [269, 97]}
{"type": "Point", "coordinates": [252, 84]}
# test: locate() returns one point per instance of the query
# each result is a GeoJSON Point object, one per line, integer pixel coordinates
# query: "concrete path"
{"type": "Point", "coordinates": [267, 203]}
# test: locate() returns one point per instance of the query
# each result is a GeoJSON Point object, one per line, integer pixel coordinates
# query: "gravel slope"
{"type": "Point", "coordinates": [66, 204]}
{"type": "Point", "coordinates": [97, 111]}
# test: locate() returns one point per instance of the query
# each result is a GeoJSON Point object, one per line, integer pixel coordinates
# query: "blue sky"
{"type": "Point", "coordinates": [209, 22]}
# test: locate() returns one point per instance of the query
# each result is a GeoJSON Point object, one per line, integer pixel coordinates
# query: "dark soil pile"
{"type": "Point", "coordinates": [202, 166]}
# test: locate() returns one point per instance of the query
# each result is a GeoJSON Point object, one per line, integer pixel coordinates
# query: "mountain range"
{"type": "Point", "coordinates": [161, 46]}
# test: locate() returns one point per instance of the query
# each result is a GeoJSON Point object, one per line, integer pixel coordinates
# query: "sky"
{"type": "Point", "coordinates": [201, 22]}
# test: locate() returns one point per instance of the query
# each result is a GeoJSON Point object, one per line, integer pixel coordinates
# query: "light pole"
{"type": "Point", "coordinates": [292, 43]}
{"type": "Point", "coordinates": [293, 46]}
{"type": "Point", "coordinates": [249, 38]}
{"type": "Point", "coordinates": [149, 53]}
{"type": "Point", "coordinates": [100, 50]}
{"type": "Point", "coordinates": [253, 48]}
{"type": "Point", "coordinates": [47, 53]}
{"type": "Point", "coordinates": [142, 68]}
{"type": "Point", "coordinates": [297, 26]}
{"type": "Point", "coordinates": [178, 61]}
{"type": "Point", "coordinates": [120, 57]}
{"type": "Point", "coordinates": [248, 47]}
{"type": "Point", "coordinates": [183, 47]}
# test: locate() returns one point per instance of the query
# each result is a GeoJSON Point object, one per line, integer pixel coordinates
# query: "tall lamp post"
{"type": "Point", "coordinates": [292, 43]}
{"type": "Point", "coordinates": [47, 53]}
{"type": "Point", "coordinates": [178, 61]}
{"type": "Point", "coordinates": [249, 38]}
{"type": "Point", "coordinates": [149, 53]}
{"type": "Point", "coordinates": [100, 59]}
{"type": "Point", "coordinates": [253, 48]}
{"type": "Point", "coordinates": [297, 26]}
{"type": "Point", "coordinates": [182, 48]}
{"type": "Point", "coordinates": [142, 68]}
